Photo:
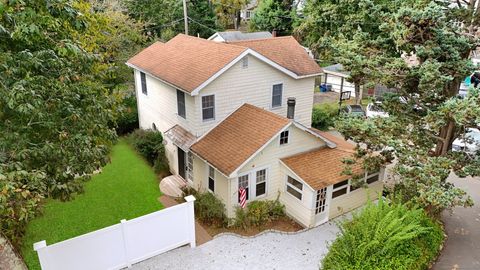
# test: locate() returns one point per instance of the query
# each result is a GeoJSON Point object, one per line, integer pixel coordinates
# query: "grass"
{"type": "Point", "coordinates": [126, 188]}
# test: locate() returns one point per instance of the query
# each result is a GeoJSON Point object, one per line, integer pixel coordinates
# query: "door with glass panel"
{"type": "Point", "coordinates": [321, 203]}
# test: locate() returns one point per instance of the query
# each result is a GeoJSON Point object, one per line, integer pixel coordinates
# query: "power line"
{"type": "Point", "coordinates": [201, 24]}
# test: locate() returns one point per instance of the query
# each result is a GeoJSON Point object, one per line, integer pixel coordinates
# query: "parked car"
{"type": "Point", "coordinates": [374, 109]}
{"type": "Point", "coordinates": [354, 110]}
{"type": "Point", "coordinates": [470, 143]}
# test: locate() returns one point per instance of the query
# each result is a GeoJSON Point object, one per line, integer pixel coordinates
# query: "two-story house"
{"type": "Point", "coordinates": [238, 115]}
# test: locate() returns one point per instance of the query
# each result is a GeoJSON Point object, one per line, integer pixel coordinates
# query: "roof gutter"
{"type": "Point", "coordinates": [156, 77]}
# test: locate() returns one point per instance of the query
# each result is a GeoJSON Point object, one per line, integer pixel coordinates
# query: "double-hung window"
{"type": "Point", "coordinates": [243, 183]}
{"type": "Point", "coordinates": [284, 137]}
{"type": "Point", "coordinates": [211, 179]}
{"type": "Point", "coordinates": [208, 107]}
{"type": "Point", "coordinates": [261, 185]}
{"type": "Point", "coordinates": [277, 93]}
{"type": "Point", "coordinates": [181, 103]}
{"type": "Point", "coordinates": [340, 189]}
{"type": "Point", "coordinates": [143, 81]}
{"type": "Point", "coordinates": [294, 187]}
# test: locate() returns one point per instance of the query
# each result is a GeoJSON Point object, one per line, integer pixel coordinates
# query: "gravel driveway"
{"type": "Point", "coordinates": [271, 250]}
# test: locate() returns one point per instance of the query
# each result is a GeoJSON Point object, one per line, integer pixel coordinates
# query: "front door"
{"type": "Point", "coordinates": [181, 162]}
{"type": "Point", "coordinates": [321, 205]}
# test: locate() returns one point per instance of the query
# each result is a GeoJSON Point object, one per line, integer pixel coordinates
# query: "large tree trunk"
{"type": "Point", "coordinates": [358, 97]}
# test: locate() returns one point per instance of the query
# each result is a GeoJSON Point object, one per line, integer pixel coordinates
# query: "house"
{"type": "Point", "coordinates": [229, 36]}
{"type": "Point", "coordinates": [336, 76]}
{"type": "Point", "coordinates": [249, 10]}
{"type": "Point", "coordinates": [238, 114]}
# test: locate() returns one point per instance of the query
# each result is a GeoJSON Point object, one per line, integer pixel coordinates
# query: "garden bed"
{"type": "Point", "coordinates": [284, 224]}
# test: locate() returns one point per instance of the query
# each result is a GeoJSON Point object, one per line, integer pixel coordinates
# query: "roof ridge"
{"type": "Point", "coordinates": [260, 39]}
{"type": "Point", "coordinates": [220, 44]}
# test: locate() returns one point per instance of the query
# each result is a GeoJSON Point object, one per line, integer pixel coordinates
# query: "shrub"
{"type": "Point", "coordinates": [323, 115]}
{"type": "Point", "coordinates": [385, 236]}
{"type": "Point", "coordinates": [258, 213]}
{"type": "Point", "coordinates": [209, 209]}
{"type": "Point", "coordinates": [148, 143]}
{"type": "Point", "coordinates": [128, 119]}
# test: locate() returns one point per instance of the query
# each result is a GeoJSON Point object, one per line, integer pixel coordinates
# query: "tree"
{"type": "Point", "coordinates": [55, 105]}
{"type": "Point", "coordinates": [337, 30]}
{"type": "Point", "coordinates": [165, 18]}
{"type": "Point", "coordinates": [425, 115]}
{"type": "Point", "coordinates": [278, 15]}
{"type": "Point", "coordinates": [228, 11]}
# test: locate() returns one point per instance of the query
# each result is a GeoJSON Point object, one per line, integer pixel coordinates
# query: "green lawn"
{"type": "Point", "coordinates": [126, 188]}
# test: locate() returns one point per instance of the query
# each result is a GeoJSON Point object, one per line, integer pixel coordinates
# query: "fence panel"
{"type": "Point", "coordinates": [120, 245]}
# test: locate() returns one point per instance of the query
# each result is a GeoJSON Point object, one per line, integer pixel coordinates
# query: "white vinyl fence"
{"type": "Point", "coordinates": [123, 244]}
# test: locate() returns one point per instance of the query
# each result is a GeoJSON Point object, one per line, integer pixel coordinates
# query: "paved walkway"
{"type": "Point", "coordinates": [270, 250]}
{"type": "Point", "coordinates": [462, 248]}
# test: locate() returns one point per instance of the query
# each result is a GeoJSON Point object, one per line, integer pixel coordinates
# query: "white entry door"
{"type": "Point", "coordinates": [321, 205]}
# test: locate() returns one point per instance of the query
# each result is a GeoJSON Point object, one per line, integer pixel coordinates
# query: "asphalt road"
{"type": "Point", "coordinates": [462, 248]}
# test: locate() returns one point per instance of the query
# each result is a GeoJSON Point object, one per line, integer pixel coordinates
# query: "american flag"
{"type": "Point", "coordinates": [243, 197]}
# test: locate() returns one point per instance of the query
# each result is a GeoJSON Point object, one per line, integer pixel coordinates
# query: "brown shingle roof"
{"type": "Point", "coordinates": [286, 52]}
{"type": "Point", "coordinates": [184, 61]}
{"type": "Point", "coordinates": [238, 137]}
{"type": "Point", "coordinates": [340, 142]}
{"type": "Point", "coordinates": [321, 168]}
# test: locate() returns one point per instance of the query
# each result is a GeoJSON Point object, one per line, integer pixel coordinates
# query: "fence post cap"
{"type": "Point", "coordinates": [190, 198]}
{"type": "Point", "coordinates": [39, 245]}
{"type": "Point", "coordinates": [123, 221]}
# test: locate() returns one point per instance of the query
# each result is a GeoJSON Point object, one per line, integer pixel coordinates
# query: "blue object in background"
{"type": "Point", "coordinates": [467, 81]}
{"type": "Point", "coordinates": [323, 87]}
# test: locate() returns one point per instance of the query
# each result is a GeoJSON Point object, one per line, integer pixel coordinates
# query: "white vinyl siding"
{"type": "Point", "coordinates": [160, 106]}
{"type": "Point", "coordinates": [253, 85]}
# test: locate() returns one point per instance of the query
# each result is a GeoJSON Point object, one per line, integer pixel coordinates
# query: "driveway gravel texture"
{"type": "Point", "coordinates": [270, 250]}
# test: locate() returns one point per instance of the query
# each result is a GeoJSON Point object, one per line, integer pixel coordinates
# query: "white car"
{"type": "Point", "coordinates": [470, 143]}
{"type": "Point", "coordinates": [375, 110]}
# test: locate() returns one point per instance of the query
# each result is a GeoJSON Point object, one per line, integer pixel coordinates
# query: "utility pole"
{"type": "Point", "coordinates": [185, 17]}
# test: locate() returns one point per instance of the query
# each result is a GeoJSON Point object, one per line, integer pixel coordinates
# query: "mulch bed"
{"type": "Point", "coordinates": [283, 224]}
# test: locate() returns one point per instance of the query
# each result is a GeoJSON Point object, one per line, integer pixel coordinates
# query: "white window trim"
{"type": "Point", "coordinates": [281, 98]}
{"type": "Point", "coordinates": [249, 187]}
{"type": "Point", "coordinates": [184, 103]}
{"type": "Point", "coordinates": [289, 138]}
{"type": "Point", "coordinates": [214, 108]}
{"type": "Point", "coordinates": [370, 175]}
{"type": "Point", "coordinates": [208, 179]}
{"type": "Point", "coordinates": [252, 182]}
{"type": "Point", "coordinates": [342, 187]}
{"type": "Point", "coordinates": [294, 187]}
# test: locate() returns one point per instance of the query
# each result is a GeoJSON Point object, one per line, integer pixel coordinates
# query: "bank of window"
{"type": "Point", "coordinates": [284, 137]}
{"type": "Point", "coordinates": [211, 179]}
{"type": "Point", "coordinates": [208, 107]}
{"type": "Point", "coordinates": [340, 189]}
{"type": "Point", "coordinates": [243, 183]}
{"type": "Point", "coordinates": [143, 81]}
{"type": "Point", "coordinates": [294, 187]}
{"type": "Point", "coordinates": [181, 103]}
{"type": "Point", "coordinates": [261, 183]}
{"type": "Point", "coordinates": [373, 177]}
{"type": "Point", "coordinates": [277, 95]}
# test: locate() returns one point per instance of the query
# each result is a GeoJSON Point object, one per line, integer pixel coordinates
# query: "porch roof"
{"type": "Point", "coordinates": [180, 137]}
{"type": "Point", "coordinates": [321, 167]}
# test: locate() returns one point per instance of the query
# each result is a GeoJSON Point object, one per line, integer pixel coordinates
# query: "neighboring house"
{"type": "Point", "coordinates": [229, 36]}
{"type": "Point", "coordinates": [247, 13]}
{"type": "Point", "coordinates": [238, 114]}
{"type": "Point", "coordinates": [336, 76]}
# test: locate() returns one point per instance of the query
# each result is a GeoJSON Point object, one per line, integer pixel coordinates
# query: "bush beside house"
{"type": "Point", "coordinates": [323, 115]}
{"type": "Point", "coordinates": [385, 236]}
{"type": "Point", "coordinates": [149, 144]}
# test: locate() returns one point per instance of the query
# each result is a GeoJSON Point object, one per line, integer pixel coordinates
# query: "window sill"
{"type": "Point", "coordinates": [208, 120]}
